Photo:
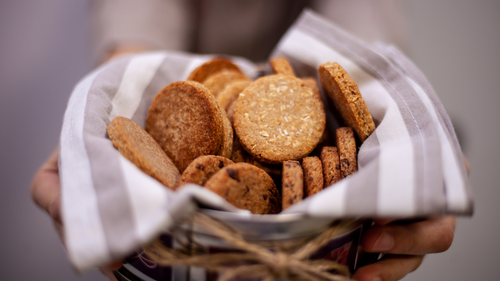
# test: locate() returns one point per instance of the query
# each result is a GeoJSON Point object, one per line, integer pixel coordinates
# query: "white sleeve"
{"type": "Point", "coordinates": [155, 24]}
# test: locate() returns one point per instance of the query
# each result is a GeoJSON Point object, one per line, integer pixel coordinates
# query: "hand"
{"type": "Point", "coordinates": [405, 245]}
{"type": "Point", "coordinates": [46, 192]}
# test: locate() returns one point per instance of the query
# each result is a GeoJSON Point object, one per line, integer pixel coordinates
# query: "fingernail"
{"type": "Point", "coordinates": [384, 243]}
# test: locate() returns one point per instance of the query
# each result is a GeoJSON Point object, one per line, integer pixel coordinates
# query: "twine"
{"type": "Point", "coordinates": [253, 260]}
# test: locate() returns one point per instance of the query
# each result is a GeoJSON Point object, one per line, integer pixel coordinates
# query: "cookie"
{"type": "Point", "coordinates": [227, 137]}
{"type": "Point", "coordinates": [279, 118]}
{"type": "Point", "coordinates": [202, 72]}
{"type": "Point", "coordinates": [240, 155]}
{"type": "Point", "coordinates": [142, 150]}
{"type": "Point", "coordinates": [185, 120]}
{"type": "Point", "coordinates": [347, 99]}
{"type": "Point", "coordinates": [292, 183]}
{"type": "Point", "coordinates": [246, 187]}
{"type": "Point", "coordinates": [231, 92]}
{"type": "Point", "coordinates": [331, 165]}
{"type": "Point", "coordinates": [217, 83]}
{"type": "Point", "coordinates": [313, 175]}
{"type": "Point", "coordinates": [281, 66]}
{"type": "Point", "coordinates": [202, 168]}
{"type": "Point", "coordinates": [346, 145]}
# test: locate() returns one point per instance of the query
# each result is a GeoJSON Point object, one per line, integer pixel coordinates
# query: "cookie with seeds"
{"type": "Point", "coordinates": [202, 168]}
{"type": "Point", "coordinates": [202, 72]}
{"type": "Point", "coordinates": [142, 150]}
{"type": "Point", "coordinates": [347, 99]}
{"type": "Point", "coordinates": [185, 120]}
{"type": "Point", "coordinates": [313, 175]}
{"type": "Point", "coordinates": [331, 165]}
{"type": "Point", "coordinates": [346, 145]}
{"type": "Point", "coordinates": [246, 187]}
{"type": "Point", "coordinates": [281, 66]}
{"type": "Point", "coordinates": [292, 183]}
{"type": "Point", "coordinates": [231, 92]}
{"type": "Point", "coordinates": [217, 82]}
{"type": "Point", "coordinates": [279, 118]}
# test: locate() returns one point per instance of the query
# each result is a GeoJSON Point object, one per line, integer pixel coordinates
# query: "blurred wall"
{"type": "Point", "coordinates": [43, 53]}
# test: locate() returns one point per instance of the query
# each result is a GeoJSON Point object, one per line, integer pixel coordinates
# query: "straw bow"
{"type": "Point", "coordinates": [253, 260]}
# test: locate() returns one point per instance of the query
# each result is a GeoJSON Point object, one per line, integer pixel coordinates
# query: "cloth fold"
{"type": "Point", "coordinates": [410, 166]}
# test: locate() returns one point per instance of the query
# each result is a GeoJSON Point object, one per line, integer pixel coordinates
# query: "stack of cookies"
{"type": "Point", "coordinates": [241, 138]}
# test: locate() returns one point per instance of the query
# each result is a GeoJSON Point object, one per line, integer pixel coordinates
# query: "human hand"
{"type": "Point", "coordinates": [46, 192]}
{"type": "Point", "coordinates": [404, 246]}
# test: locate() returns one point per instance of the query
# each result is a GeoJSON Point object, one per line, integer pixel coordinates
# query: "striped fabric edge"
{"type": "Point", "coordinates": [426, 171]}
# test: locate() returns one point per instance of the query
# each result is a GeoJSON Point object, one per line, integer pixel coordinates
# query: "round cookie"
{"type": "Point", "coordinates": [231, 92]}
{"type": "Point", "coordinates": [202, 168]}
{"type": "Point", "coordinates": [202, 72]}
{"type": "Point", "coordinates": [246, 187]}
{"type": "Point", "coordinates": [346, 145]}
{"type": "Point", "coordinates": [281, 66]}
{"type": "Point", "coordinates": [240, 155]}
{"type": "Point", "coordinates": [186, 121]}
{"type": "Point", "coordinates": [226, 148]}
{"type": "Point", "coordinates": [217, 83]}
{"type": "Point", "coordinates": [331, 165]}
{"type": "Point", "coordinates": [141, 149]}
{"type": "Point", "coordinates": [313, 175]}
{"type": "Point", "coordinates": [292, 184]}
{"type": "Point", "coordinates": [279, 118]}
{"type": "Point", "coordinates": [344, 93]}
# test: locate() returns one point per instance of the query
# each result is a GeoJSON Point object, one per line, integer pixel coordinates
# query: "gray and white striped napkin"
{"type": "Point", "coordinates": [410, 166]}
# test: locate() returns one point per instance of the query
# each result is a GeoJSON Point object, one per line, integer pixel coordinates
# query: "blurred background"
{"type": "Point", "coordinates": [44, 51]}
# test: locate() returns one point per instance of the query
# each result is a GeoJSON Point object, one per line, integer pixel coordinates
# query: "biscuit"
{"type": "Point", "coordinates": [202, 72]}
{"type": "Point", "coordinates": [292, 183]}
{"type": "Point", "coordinates": [217, 83]}
{"type": "Point", "coordinates": [346, 145]}
{"type": "Point", "coordinates": [202, 168]}
{"type": "Point", "coordinates": [331, 165]}
{"type": "Point", "coordinates": [281, 66]}
{"type": "Point", "coordinates": [231, 92]}
{"type": "Point", "coordinates": [185, 120]}
{"type": "Point", "coordinates": [240, 155]}
{"type": "Point", "coordinates": [226, 148]}
{"type": "Point", "coordinates": [279, 118]}
{"type": "Point", "coordinates": [246, 187]}
{"type": "Point", "coordinates": [313, 175]}
{"type": "Point", "coordinates": [347, 99]}
{"type": "Point", "coordinates": [142, 150]}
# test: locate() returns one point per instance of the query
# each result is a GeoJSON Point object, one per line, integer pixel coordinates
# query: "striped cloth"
{"type": "Point", "coordinates": [410, 166]}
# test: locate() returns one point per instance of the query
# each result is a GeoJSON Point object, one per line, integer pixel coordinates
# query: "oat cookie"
{"type": "Point", "coordinates": [292, 183]}
{"type": "Point", "coordinates": [141, 149]}
{"type": "Point", "coordinates": [346, 145]}
{"type": "Point", "coordinates": [313, 175]}
{"type": "Point", "coordinates": [231, 92]}
{"type": "Point", "coordinates": [246, 187]}
{"type": "Point", "coordinates": [202, 72]}
{"type": "Point", "coordinates": [185, 120]}
{"type": "Point", "coordinates": [344, 93]}
{"type": "Point", "coordinates": [279, 118]}
{"type": "Point", "coordinates": [217, 83]}
{"type": "Point", "coordinates": [202, 168]}
{"type": "Point", "coordinates": [281, 66]}
{"type": "Point", "coordinates": [331, 165]}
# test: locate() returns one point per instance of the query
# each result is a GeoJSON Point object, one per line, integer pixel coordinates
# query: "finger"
{"type": "Point", "coordinates": [389, 268]}
{"type": "Point", "coordinates": [108, 273]}
{"type": "Point", "coordinates": [418, 238]}
{"type": "Point", "coordinates": [45, 189]}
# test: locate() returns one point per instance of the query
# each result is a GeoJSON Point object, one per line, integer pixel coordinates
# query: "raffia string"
{"type": "Point", "coordinates": [254, 261]}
